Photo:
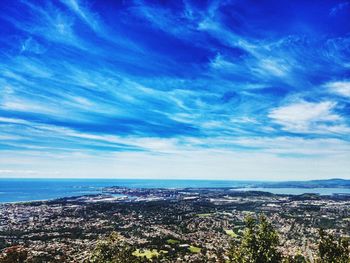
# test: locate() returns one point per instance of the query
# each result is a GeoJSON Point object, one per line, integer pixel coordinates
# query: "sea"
{"type": "Point", "coordinates": [23, 190]}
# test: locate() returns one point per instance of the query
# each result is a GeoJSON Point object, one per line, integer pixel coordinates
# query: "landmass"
{"type": "Point", "coordinates": [181, 225]}
{"type": "Point", "coordinates": [330, 183]}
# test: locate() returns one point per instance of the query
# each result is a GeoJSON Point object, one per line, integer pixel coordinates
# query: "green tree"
{"type": "Point", "coordinates": [333, 250]}
{"type": "Point", "coordinates": [298, 258]}
{"type": "Point", "coordinates": [113, 250]}
{"type": "Point", "coordinates": [258, 245]}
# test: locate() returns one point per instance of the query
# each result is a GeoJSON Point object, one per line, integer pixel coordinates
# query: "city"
{"type": "Point", "coordinates": [182, 224]}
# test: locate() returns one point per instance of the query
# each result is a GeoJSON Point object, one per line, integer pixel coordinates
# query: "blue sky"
{"type": "Point", "coordinates": [175, 89]}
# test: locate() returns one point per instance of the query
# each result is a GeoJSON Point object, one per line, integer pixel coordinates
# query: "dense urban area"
{"type": "Point", "coordinates": [166, 225]}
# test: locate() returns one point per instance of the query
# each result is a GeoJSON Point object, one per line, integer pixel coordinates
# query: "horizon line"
{"type": "Point", "coordinates": [167, 179]}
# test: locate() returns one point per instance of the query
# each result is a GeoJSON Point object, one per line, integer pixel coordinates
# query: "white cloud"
{"type": "Point", "coordinates": [50, 22]}
{"type": "Point", "coordinates": [296, 146]}
{"type": "Point", "coordinates": [219, 62]}
{"type": "Point", "coordinates": [30, 45]}
{"type": "Point", "coordinates": [273, 67]}
{"type": "Point", "coordinates": [341, 88]}
{"type": "Point", "coordinates": [304, 116]}
{"type": "Point", "coordinates": [25, 105]}
{"type": "Point", "coordinates": [200, 164]}
{"type": "Point", "coordinates": [90, 18]}
{"type": "Point", "coordinates": [13, 120]}
{"type": "Point", "coordinates": [16, 172]}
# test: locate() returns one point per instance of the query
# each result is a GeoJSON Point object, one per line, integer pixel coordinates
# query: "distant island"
{"type": "Point", "coordinates": [328, 183]}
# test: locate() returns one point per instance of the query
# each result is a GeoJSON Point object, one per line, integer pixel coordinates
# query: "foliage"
{"type": "Point", "coordinates": [194, 249]}
{"type": "Point", "coordinates": [173, 241]}
{"type": "Point", "coordinates": [231, 233]}
{"type": "Point", "coordinates": [298, 258]}
{"type": "Point", "coordinates": [113, 250]}
{"type": "Point", "coordinates": [148, 253]}
{"type": "Point", "coordinates": [332, 250]}
{"type": "Point", "coordinates": [259, 243]}
{"type": "Point", "coordinates": [2, 243]}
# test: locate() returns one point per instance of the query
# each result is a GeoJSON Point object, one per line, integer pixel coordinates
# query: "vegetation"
{"type": "Point", "coordinates": [231, 233]}
{"type": "Point", "coordinates": [113, 250]}
{"type": "Point", "coordinates": [173, 241]}
{"type": "Point", "coordinates": [258, 245]}
{"type": "Point", "coordinates": [2, 243]}
{"type": "Point", "coordinates": [194, 249]}
{"type": "Point", "coordinates": [332, 250]}
{"type": "Point", "coordinates": [149, 254]}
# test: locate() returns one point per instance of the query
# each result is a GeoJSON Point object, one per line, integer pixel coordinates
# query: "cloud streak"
{"type": "Point", "coordinates": [102, 81]}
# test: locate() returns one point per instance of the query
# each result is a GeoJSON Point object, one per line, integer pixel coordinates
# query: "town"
{"type": "Point", "coordinates": [186, 225]}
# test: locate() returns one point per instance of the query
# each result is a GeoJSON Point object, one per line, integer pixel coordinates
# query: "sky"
{"type": "Point", "coordinates": [253, 90]}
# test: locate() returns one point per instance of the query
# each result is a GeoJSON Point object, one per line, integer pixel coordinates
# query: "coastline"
{"type": "Point", "coordinates": [41, 190]}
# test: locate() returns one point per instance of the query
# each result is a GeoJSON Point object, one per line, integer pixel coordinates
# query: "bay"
{"type": "Point", "coordinates": [22, 190]}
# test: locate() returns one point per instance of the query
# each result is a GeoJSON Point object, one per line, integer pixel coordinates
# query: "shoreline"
{"type": "Point", "coordinates": [113, 190]}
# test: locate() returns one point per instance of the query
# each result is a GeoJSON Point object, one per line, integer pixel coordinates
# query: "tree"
{"type": "Point", "coordinates": [258, 245]}
{"type": "Point", "coordinates": [332, 250]}
{"type": "Point", "coordinates": [2, 243]}
{"type": "Point", "coordinates": [298, 258]}
{"type": "Point", "coordinates": [113, 250]}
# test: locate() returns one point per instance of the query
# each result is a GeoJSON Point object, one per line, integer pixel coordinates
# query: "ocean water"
{"type": "Point", "coordinates": [20, 190]}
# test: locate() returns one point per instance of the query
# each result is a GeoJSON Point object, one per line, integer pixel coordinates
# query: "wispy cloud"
{"type": "Point", "coordinates": [154, 83]}
{"type": "Point", "coordinates": [338, 8]}
{"type": "Point", "coordinates": [341, 88]}
{"type": "Point", "coordinates": [306, 117]}
{"type": "Point", "coordinates": [83, 13]}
